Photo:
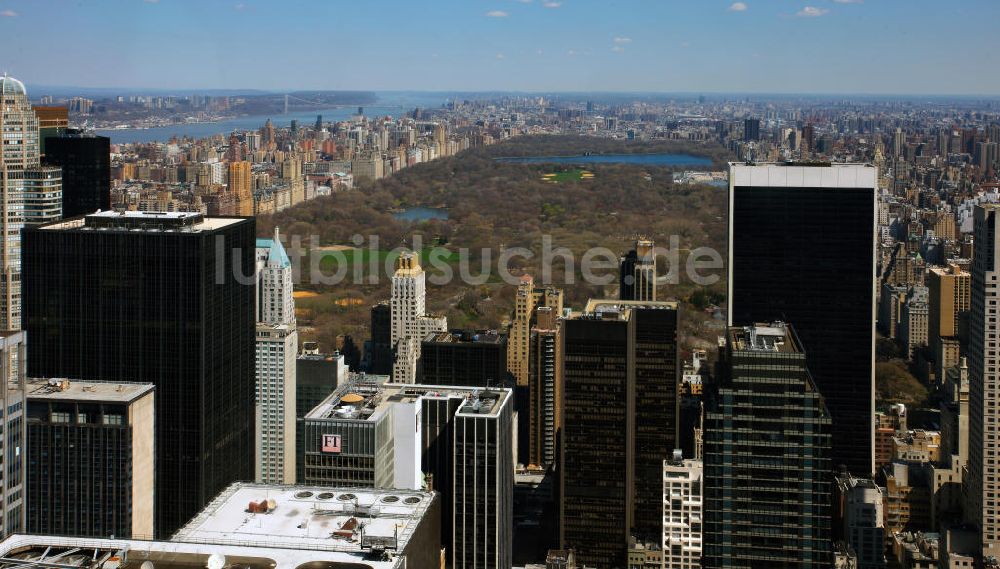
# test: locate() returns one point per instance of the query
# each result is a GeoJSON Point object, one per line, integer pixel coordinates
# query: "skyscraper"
{"type": "Point", "coordinates": [277, 348]}
{"type": "Point", "coordinates": [766, 456]}
{"type": "Point", "coordinates": [169, 298]}
{"type": "Point", "coordinates": [519, 333]}
{"type": "Point", "coordinates": [69, 424]}
{"type": "Point", "coordinates": [85, 159]}
{"type": "Point", "coordinates": [241, 186]}
{"type": "Point", "coordinates": [472, 359]}
{"type": "Point", "coordinates": [683, 512]}
{"type": "Point", "coordinates": [638, 273]}
{"type": "Point", "coordinates": [14, 434]}
{"type": "Point", "coordinates": [20, 170]}
{"type": "Point", "coordinates": [949, 298]}
{"type": "Point", "coordinates": [802, 250]}
{"type": "Point", "coordinates": [751, 130]}
{"type": "Point", "coordinates": [545, 388]}
{"type": "Point", "coordinates": [620, 402]}
{"type": "Point", "coordinates": [380, 348]}
{"type": "Point", "coordinates": [983, 478]}
{"type": "Point", "coordinates": [410, 322]}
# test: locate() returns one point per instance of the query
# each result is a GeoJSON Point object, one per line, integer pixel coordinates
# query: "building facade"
{"type": "Point", "coordinates": [85, 159]}
{"type": "Point", "coordinates": [797, 234]}
{"type": "Point", "coordinates": [277, 344]}
{"type": "Point", "coordinates": [472, 359]}
{"type": "Point", "coordinates": [767, 437]}
{"type": "Point", "coordinates": [410, 322]}
{"type": "Point", "coordinates": [637, 278]}
{"type": "Point", "coordinates": [528, 298]}
{"type": "Point", "coordinates": [90, 458]}
{"type": "Point", "coordinates": [169, 298]}
{"type": "Point", "coordinates": [14, 435]}
{"type": "Point", "coordinates": [620, 408]}
{"type": "Point", "coordinates": [682, 512]}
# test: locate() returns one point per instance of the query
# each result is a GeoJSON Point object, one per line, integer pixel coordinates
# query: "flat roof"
{"type": "Point", "coordinates": [309, 517]}
{"type": "Point", "coordinates": [58, 389]}
{"type": "Point", "coordinates": [368, 401]}
{"type": "Point", "coordinates": [764, 337]}
{"type": "Point", "coordinates": [611, 309]}
{"type": "Point", "coordinates": [802, 175]}
{"type": "Point", "coordinates": [153, 221]}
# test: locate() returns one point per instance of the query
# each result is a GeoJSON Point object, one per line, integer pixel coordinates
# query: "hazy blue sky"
{"type": "Point", "coordinates": [801, 46]}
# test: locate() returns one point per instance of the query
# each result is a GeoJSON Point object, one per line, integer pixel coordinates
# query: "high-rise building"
{"type": "Point", "coordinates": [751, 130]}
{"type": "Point", "coordinates": [276, 352]}
{"type": "Point", "coordinates": [682, 512]}
{"type": "Point", "coordinates": [241, 186]}
{"type": "Point", "coordinates": [620, 407]}
{"type": "Point", "coordinates": [519, 333]}
{"type": "Point", "coordinates": [766, 456]}
{"type": "Point", "coordinates": [859, 519]}
{"type": "Point", "coordinates": [948, 290]}
{"type": "Point", "coordinates": [70, 423]}
{"type": "Point", "coordinates": [20, 168]}
{"type": "Point", "coordinates": [380, 349]}
{"type": "Point", "coordinates": [638, 273]}
{"type": "Point", "coordinates": [52, 121]}
{"type": "Point", "coordinates": [169, 298]}
{"type": "Point", "coordinates": [982, 482]}
{"type": "Point", "coordinates": [803, 236]}
{"type": "Point", "coordinates": [14, 435]}
{"type": "Point", "coordinates": [469, 358]}
{"type": "Point", "coordinates": [545, 388]}
{"type": "Point", "coordinates": [456, 440]}
{"type": "Point", "coordinates": [42, 200]}
{"type": "Point", "coordinates": [410, 322]}
{"type": "Point", "coordinates": [85, 159]}
{"type": "Point", "coordinates": [316, 377]}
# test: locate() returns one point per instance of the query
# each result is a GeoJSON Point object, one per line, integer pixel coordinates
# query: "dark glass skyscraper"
{"type": "Point", "coordinates": [766, 455]}
{"type": "Point", "coordinates": [802, 250]}
{"type": "Point", "coordinates": [751, 130]}
{"type": "Point", "coordinates": [85, 159]}
{"type": "Point", "coordinates": [155, 297]}
{"type": "Point", "coordinates": [473, 359]}
{"type": "Point", "coordinates": [619, 423]}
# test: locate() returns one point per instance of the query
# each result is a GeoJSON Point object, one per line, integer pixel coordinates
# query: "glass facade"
{"type": "Point", "coordinates": [800, 254]}
{"type": "Point", "coordinates": [766, 458]}
{"type": "Point", "coordinates": [161, 304]}
{"type": "Point", "coordinates": [86, 167]}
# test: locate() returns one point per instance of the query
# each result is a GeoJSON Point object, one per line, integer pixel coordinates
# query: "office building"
{"type": "Point", "coordinates": [276, 357]}
{"type": "Point", "coordinates": [456, 440]}
{"type": "Point", "coordinates": [52, 121]}
{"type": "Point", "coordinates": [859, 519]}
{"type": "Point", "coordinates": [380, 349]}
{"type": "Point", "coordinates": [545, 388]}
{"type": "Point", "coordinates": [90, 462]}
{"type": "Point", "coordinates": [638, 272]}
{"type": "Point", "coordinates": [20, 164]}
{"type": "Point", "coordinates": [913, 320]}
{"type": "Point", "coordinates": [803, 236]}
{"type": "Point", "coordinates": [85, 159]}
{"type": "Point", "coordinates": [168, 298]}
{"type": "Point", "coordinates": [620, 404]}
{"type": "Point", "coordinates": [42, 195]}
{"type": "Point", "coordinates": [751, 130]}
{"type": "Point", "coordinates": [528, 298]}
{"type": "Point", "coordinates": [316, 377]}
{"type": "Point", "coordinates": [983, 477]}
{"type": "Point", "coordinates": [468, 358]}
{"type": "Point", "coordinates": [766, 456]}
{"type": "Point", "coordinates": [410, 322]}
{"type": "Point", "coordinates": [259, 527]}
{"type": "Point", "coordinates": [14, 434]}
{"type": "Point", "coordinates": [948, 291]}
{"type": "Point", "coordinates": [682, 512]}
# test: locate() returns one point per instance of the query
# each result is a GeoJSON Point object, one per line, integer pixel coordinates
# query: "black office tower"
{"type": "Point", "coordinates": [766, 457]}
{"type": "Point", "coordinates": [85, 159]}
{"type": "Point", "coordinates": [801, 250]}
{"type": "Point", "coordinates": [156, 297]}
{"type": "Point", "coordinates": [379, 355]}
{"type": "Point", "coordinates": [751, 130]}
{"type": "Point", "coordinates": [466, 358]}
{"type": "Point", "coordinates": [619, 422]}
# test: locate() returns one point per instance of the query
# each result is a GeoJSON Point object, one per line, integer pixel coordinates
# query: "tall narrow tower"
{"type": "Point", "coordinates": [277, 346]}
{"type": "Point", "coordinates": [409, 321]}
{"type": "Point", "coordinates": [983, 479]}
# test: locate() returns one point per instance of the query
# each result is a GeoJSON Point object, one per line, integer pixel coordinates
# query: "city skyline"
{"type": "Point", "coordinates": [808, 46]}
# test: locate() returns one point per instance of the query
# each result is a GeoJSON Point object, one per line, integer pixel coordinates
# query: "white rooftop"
{"type": "Point", "coordinates": [793, 175]}
{"type": "Point", "coordinates": [309, 517]}
{"type": "Point", "coordinates": [73, 390]}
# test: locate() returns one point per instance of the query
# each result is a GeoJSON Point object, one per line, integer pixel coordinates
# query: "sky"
{"type": "Point", "coordinates": [947, 47]}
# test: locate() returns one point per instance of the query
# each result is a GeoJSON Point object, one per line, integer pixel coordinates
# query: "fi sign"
{"type": "Point", "coordinates": [331, 443]}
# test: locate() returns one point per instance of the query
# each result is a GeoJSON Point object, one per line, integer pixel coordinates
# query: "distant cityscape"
{"type": "Point", "coordinates": [173, 399]}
